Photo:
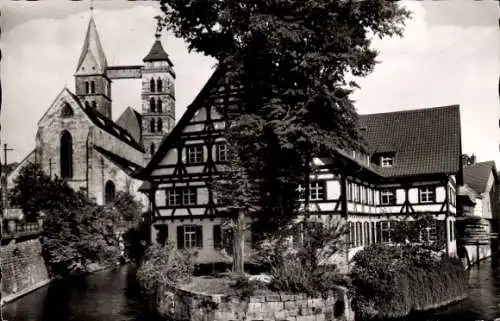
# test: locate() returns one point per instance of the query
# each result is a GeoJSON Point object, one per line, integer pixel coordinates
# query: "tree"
{"type": "Point", "coordinates": [289, 62]}
{"type": "Point", "coordinates": [240, 193]}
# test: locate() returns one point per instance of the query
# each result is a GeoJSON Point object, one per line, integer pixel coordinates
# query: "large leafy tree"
{"type": "Point", "coordinates": [290, 63]}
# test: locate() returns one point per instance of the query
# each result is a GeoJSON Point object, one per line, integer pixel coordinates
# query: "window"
{"type": "Point", "coordinates": [386, 161]}
{"type": "Point", "coordinates": [159, 105]}
{"type": "Point", "coordinates": [188, 196]}
{"type": "Point", "coordinates": [426, 195]}
{"type": "Point", "coordinates": [66, 155]}
{"type": "Point", "coordinates": [385, 232]}
{"type": "Point", "coordinates": [87, 104]}
{"type": "Point", "coordinates": [94, 104]}
{"type": "Point", "coordinates": [159, 85]}
{"type": "Point", "coordinates": [194, 154]}
{"type": "Point", "coordinates": [349, 191]}
{"type": "Point", "coordinates": [352, 234]}
{"type": "Point", "coordinates": [366, 227]}
{"type": "Point", "coordinates": [356, 192]}
{"type": "Point", "coordinates": [222, 152]}
{"type": "Point", "coordinates": [152, 105]}
{"type": "Point", "coordinates": [159, 125]}
{"type": "Point", "coordinates": [317, 191]}
{"type": "Point", "coordinates": [87, 88]}
{"type": "Point", "coordinates": [109, 192]}
{"type": "Point", "coordinates": [189, 236]}
{"type": "Point", "coordinates": [152, 85]}
{"type": "Point", "coordinates": [152, 149]}
{"type": "Point", "coordinates": [66, 111]}
{"type": "Point", "coordinates": [161, 233]}
{"type": "Point", "coordinates": [388, 197]}
{"type": "Point", "coordinates": [179, 196]}
{"type": "Point", "coordinates": [174, 197]}
{"type": "Point", "coordinates": [152, 126]}
{"type": "Point", "coordinates": [92, 87]}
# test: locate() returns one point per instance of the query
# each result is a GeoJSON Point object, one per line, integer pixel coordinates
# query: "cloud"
{"type": "Point", "coordinates": [40, 57]}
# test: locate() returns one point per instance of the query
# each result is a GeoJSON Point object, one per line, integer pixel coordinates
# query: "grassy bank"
{"type": "Point", "coordinates": [392, 281]}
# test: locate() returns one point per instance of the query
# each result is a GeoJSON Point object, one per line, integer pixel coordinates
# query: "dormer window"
{"type": "Point", "coordinates": [386, 161]}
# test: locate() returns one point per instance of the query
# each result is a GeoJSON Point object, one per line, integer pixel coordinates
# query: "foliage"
{"type": "Point", "coordinates": [136, 240]}
{"type": "Point", "coordinates": [34, 191]}
{"type": "Point", "coordinates": [246, 287]}
{"type": "Point", "coordinates": [391, 281]}
{"type": "Point", "coordinates": [305, 267]}
{"type": "Point", "coordinates": [163, 266]}
{"type": "Point", "coordinates": [129, 208]}
{"type": "Point", "coordinates": [290, 73]}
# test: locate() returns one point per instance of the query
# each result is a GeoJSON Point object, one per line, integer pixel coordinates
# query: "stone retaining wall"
{"type": "Point", "coordinates": [178, 304]}
{"type": "Point", "coordinates": [23, 269]}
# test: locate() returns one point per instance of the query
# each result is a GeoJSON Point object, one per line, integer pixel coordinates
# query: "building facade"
{"type": "Point", "coordinates": [77, 138]}
{"type": "Point", "coordinates": [412, 170]}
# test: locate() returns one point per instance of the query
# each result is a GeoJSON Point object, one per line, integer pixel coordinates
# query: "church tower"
{"type": "Point", "coordinates": [92, 85]}
{"type": "Point", "coordinates": [158, 98]}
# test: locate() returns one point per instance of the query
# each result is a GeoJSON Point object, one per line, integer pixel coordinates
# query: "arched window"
{"type": "Point", "coordinates": [87, 90]}
{"type": "Point", "coordinates": [159, 125]}
{"type": "Point", "coordinates": [92, 87]}
{"type": "Point", "coordinates": [87, 104]}
{"type": "Point", "coordinates": [152, 125]}
{"type": "Point", "coordinates": [153, 149]}
{"type": "Point", "coordinates": [152, 105]}
{"type": "Point", "coordinates": [94, 105]}
{"type": "Point", "coordinates": [66, 151]}
{"type": "Point", "coordinates": [158, 105]}
{"type": "Point", "coordinates": [152, 85]}
{"type": "Point", "coordinates": [109, 192]}
{"type": "Point", "coordinates": [66, 111]}
{"type": "Point", "coordinates": [159, 85]}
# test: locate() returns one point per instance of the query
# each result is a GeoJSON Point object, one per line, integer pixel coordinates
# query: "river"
{"type": "Point", "coordinates": [112, 295]}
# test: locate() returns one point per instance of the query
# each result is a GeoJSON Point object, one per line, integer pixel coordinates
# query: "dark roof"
{"type": "Point", "coordinates": [108, 125]}
{"type": "Point", "coordinates": [157, 53]}
{"type": "Point", "coordinates": [126, 165]}
{"type": "Point", "coordinates": [424, 141]}
{"type": "Point", "coordinates": [477, 175]}
{"type": "Point", "coordinates": [131, 121]}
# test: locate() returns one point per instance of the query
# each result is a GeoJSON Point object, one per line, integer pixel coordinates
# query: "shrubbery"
{"type": "Point", "coordinates": [392, 281]}
{"type": "Point", "coordinates": [163, 265]}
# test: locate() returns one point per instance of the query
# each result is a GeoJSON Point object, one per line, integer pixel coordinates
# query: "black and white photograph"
{"type": "Point", "coordinates": [278, 160]}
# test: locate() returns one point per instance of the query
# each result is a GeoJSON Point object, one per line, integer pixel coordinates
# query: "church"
{"type": "Point", "coordinates": [77, 139]}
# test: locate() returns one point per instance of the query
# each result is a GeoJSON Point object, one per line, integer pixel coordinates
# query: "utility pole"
{"type": "Point", "coordinates": [4, 178]}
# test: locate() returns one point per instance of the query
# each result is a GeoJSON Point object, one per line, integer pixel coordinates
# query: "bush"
{"type": "Point", "coordinates": [392, 281]}
{"type": "Point", "coordinates": [163, 266]}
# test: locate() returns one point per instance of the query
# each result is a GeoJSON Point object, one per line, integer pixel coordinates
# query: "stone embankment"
{"type": "Point", "coordinates": [179, 304]}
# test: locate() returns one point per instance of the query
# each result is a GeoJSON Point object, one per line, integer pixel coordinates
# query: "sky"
{"type": "Point", "coordinates": [449, 55]}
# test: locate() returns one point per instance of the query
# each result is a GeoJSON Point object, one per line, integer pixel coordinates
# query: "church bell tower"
{"type": "Point", "coordinates": [92, 85]}
{"type": "Point", "coordinates": [158, 98]}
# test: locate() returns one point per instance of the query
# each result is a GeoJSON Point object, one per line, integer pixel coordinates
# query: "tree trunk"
{"type": "Point", "coordinates": [239, 243]}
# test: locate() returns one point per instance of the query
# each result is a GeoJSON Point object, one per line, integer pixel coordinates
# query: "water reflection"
{"type": "Point", "coordinates": [482, 303]}
{"type": "Point", "coordinates": [107, 295]}
{"type": "Point", "coordinates": [113, 295]}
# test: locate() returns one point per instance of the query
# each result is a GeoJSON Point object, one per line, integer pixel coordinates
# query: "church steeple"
{"type": "Point", "coordinates": [93, 86]}
{"type": "Point", "coordinates": [92, 58]}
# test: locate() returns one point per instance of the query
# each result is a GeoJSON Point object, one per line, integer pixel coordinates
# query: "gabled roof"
{"type": "Point", "coordinates": [131, 121]}
{"type": "Point", "coordinates": [124, 164]}
{"type": "Point", "coordinates": [478, 174]}
{"type": "Point", "coordinates": [424, 141]}
{"type": "Point", "coordinates": [157, 53]}
{"type": "Point", "coordinates": [108, 125]}
{"type": "Point", "coordinates": [92, 46]}
{"type": "Point", "coordinates": [168, 140]}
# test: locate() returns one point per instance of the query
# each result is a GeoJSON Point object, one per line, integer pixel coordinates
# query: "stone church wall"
{"type": "Point", "coordinates": [118, 147]}
{"type": "Point", "coordinates": [23, 269]}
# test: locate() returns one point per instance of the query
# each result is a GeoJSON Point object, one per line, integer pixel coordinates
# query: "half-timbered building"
{"type": "Point", "coordinates": [410, 169]}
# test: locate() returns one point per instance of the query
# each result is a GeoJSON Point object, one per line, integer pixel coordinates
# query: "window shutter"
{"type": "Point", "coordinates": [199, 236]}
{"type": "Point", "coordinates": [180, 237]}
{"type": "Point", "coordinates": [217, 237]}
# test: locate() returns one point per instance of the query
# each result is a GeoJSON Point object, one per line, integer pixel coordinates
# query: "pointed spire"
{"type": "Point", "coordinates": [92, 50]}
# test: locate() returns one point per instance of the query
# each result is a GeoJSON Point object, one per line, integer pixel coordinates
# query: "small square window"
{"type": "Point", "coordinates": [387, 197]}
{"type": "Point", "coordinates": [427, 195]}
{"type": "Point", "coordinates": [195, 154]}
{"type": "Point", "coordinates": [386, 161]}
